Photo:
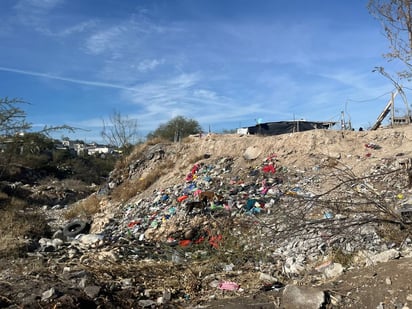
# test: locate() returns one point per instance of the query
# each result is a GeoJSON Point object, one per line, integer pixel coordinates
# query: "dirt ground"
{"type": "Point", "coordinates": [386, 285]}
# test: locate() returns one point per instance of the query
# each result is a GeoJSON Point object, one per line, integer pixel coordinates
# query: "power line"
{"type": "Point", "coordinates": [373, 99]}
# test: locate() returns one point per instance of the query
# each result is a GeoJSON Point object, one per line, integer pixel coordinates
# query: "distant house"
{"type": "Point", "coordinates": [98, 149]}
{"type": "Point", "coordinates": [282, 127]}
{"type": "Point", "coordinates": [76, 146]}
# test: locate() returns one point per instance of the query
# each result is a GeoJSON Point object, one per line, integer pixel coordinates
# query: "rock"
{"type": "Point", "coordinates": [302, 297]}
{"type": "Point", "coordinates": [90, 240]}
{"type": "Point", "coordinates": [388, 281]}
{"type": "Point", "coordinates": [49, 245]}
{"type": "Point", "coordinates": [333, 270]}
{"type": "Point", "coordinates": [294, 266]}
{"type": "Point", "coordinates": [167, 295]}
{"type": "Point", "coordinates": [126, 283]}
{"type": "Point", "coordinates": [49, 294]}
{"type": "Point", "coordinates": [251, 153]}
{"type": "Point", "coordinates": [57, 242]}
{"type": "Point", "coordinates": [228, 267]}
{"type": "Point", "coordinates": [92, 291]}
{"type": "Point", "coordinates": [266, 278]}
{"type": "Point", "coordinates": [189, 234]}
{"type": "Point", "coordinates": [72, 252]}
{"type": "Point", "coordinates": [380, 306]}
{"type": "Point", "coordinates": [382, 257]}
{"type": "Point", "coordinates": [145, 303]}
{"type": "Point", "coordinates": [108, 255]}
{"type": "Point", "coordinates": [165, 298]}
{"type": "Point", "coordinates": [214, 283]}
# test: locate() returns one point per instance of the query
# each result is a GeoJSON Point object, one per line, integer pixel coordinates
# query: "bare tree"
{"type": "Point", "coordinates": [396, 19]}
{"type": "Point", "coordinates": [14, 136]}
{"type": "Point", "coordinates": [12, 117]}
{"type": "Point", "coordinates": [120, 131]}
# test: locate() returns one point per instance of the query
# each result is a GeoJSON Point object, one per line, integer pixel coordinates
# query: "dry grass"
{"type": "Point", "coordinates": [85, 208]}
{"type": "Point", "coordinates": [131, 188]}
{"type": "Point", "coordinates": [16, 225]}
{"type": "Point", "coordinates": [157, 140]}
{"type": "Point", "coordinates": [137, 153]}
{"type": "Point", "coordinates": [3, 196]}
{"type": "Point", "coordinates": [341, 257]}
{"type": "Point", "coordinates": [392, 233]}
{"type": "Point", "coordinates": [195, 158]}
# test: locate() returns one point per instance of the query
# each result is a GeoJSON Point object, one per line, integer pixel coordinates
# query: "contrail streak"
{"type": "Point", "coordinates": [66, 79]}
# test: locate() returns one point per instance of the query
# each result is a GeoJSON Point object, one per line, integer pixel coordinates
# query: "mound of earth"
{"type": "Point", "coordinates": [324, 216]}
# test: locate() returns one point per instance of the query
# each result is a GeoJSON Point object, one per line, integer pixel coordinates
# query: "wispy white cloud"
{"type": "Point", "coordinates": [77, 28]}
{"type": "Point", "coordinates": [104, 40]}
{"type": "Point", "coordinates": [149, 64]}
{"type": "Point", "coordinates": [205, 94]}
{"type": "Point", "coordinates": [124, 35]}
{"type": "Point", "coordinates": [67, 79]}
{"type": "Point", "coordinates": [34, 13]}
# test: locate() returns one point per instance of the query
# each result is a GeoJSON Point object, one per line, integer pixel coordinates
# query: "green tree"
{"type": "Point", "coordinates": [396, 19]}
{"type": "Point", "coordinates": [176, 129]}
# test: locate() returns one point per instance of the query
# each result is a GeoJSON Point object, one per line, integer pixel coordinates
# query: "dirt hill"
{"type": "Point", "coordinates": [319, 209]}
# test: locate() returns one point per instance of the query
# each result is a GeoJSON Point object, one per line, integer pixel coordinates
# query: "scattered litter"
{"type": "Point", "coordinates": [229, 286]}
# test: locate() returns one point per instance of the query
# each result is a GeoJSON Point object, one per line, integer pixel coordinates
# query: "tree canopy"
{"type": "Point", "coordinates": [175, 129]}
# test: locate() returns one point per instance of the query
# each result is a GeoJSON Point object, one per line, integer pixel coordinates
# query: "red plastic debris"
{"type": "Point", "coordinates": [185, 243]}
{"type": "Point", "coordinates": [214, 241]}
{"type": "Point", "coordinates": [270, 168]}
{"type": "Point", "coordinates": [182, 198]}
{"type": "Point", "coordinates": [133, 223]}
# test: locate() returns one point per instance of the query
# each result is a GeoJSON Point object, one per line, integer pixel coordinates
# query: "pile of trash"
{"type": "Point", "coordinates": [287, 213]}
{"type": "Point", "coordinates": [257, 222]}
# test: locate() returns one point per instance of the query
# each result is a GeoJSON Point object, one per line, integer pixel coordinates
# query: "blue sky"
{"type": "Point", "coordinates": [224, 63]}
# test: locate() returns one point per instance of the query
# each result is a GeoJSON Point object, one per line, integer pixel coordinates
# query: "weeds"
{"type": "Point", "coordinates": [339, 256]}
{"type": "Point", "coordinates": [85, 208]}
{"type": "Point", "coordinates": [128, 190]}
{"type": "Point", "coordinates": [18, 224]}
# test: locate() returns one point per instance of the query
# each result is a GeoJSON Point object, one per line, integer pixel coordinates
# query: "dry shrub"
{"type": "Point", "coordinates": [74, 184]}
{"type": "Point", "coordinates": [228, 243]}
{"type": "Point", "coordinates": [392, 233]}
{"type": "Point", "coordinates": [84, 208]}
{"type": "Point", "coordinates": [341, 257]}
{"type": "Point", "coordinates": [125, 191]}
{"type": "Point", "coordinates": [18, 224]}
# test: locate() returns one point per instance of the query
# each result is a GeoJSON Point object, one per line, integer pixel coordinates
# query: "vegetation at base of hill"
{"type": "Point", "coordinates": [19, 226]}
{"type": "Point", "coordinates": [28, 156]}
{"type": "Point", "coordinates": [33, 156]}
